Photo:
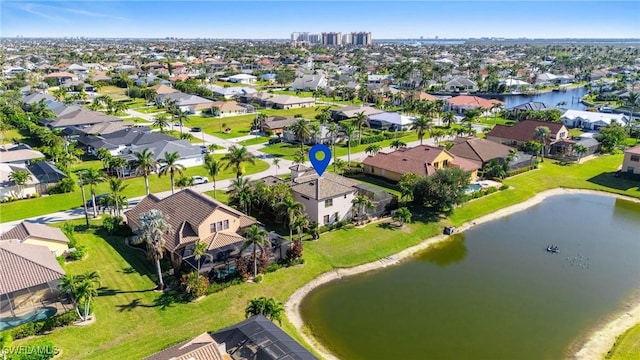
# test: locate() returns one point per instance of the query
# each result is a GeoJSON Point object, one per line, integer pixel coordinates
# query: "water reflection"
{"type": "Point", "coordinates": [448, 252]}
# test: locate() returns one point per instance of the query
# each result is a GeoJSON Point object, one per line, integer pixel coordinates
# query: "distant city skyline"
{"type": "Point", "coordinates": [278, 19]}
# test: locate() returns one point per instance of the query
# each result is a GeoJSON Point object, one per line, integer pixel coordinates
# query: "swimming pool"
{"type": "Point", "coordinates": [39, 314]}
{"type": "Point", "coordinates": [472, 188]}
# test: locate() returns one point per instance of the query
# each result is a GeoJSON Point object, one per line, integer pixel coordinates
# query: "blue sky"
{"type": "Point", "coordinates": [277, 19]}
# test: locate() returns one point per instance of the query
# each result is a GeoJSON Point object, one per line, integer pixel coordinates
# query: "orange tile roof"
{"type": "Point", "coordinates": [473, 101]}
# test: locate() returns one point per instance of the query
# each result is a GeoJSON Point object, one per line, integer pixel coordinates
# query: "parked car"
{"type": "Point", "coordinates": [197, 180]}
{"type": "Point", "coordinates": [275, 140]}
{"type": "Point", "coordinates": [196, 129]}
{"type": "Point", "coordinates": [100, 199]}
{"type": "Point", "coordinates": [205, 149]}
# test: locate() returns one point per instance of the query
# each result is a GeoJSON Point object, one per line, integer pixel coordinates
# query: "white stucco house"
{"type": "Point", "coordinates": [592, 120]}
{"type": "Point", "coordinates": [8, 188]}
{"type": "Point", "coordinates": [242, 79]}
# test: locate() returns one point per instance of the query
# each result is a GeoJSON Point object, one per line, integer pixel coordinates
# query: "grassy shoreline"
{"type": "Point", "coordinates": [133, 322]}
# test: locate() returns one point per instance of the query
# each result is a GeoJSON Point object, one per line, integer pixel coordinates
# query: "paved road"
{"type": "Point", "coordinates": [220, 185]}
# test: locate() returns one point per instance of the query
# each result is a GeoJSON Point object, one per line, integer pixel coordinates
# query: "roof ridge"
{"type": "Point", "coordinates": [27, 259]}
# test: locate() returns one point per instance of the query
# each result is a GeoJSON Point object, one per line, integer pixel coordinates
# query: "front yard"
{"type": "Point", "coordinates": [134, 321]}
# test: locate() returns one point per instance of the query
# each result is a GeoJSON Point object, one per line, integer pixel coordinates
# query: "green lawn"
{"type": "Point", "coordinates": [254, 141]}
{"type": "Point", "coordinates": [135, 187]}
{"type": "Point", "coordinates": [574, 132]}
{"type": "Point", "coordinates": [11, 135]}
{"type": "Point", "coordinates": [196, 138]}
{"type": "Point", "coordinates": [136, 120]}
{"type": "Point", "coordinates": [627, 346]}
{"type": "Point", "coordinates": [149, 110]}
{"type": "Point", "coordinates": [133, 322]}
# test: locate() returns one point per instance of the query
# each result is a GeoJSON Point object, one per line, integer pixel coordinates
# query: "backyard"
{"type": "Point", "coordinates": [134, 321]}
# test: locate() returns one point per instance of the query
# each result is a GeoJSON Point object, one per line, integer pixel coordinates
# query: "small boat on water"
{"type": "Point", "coordinates": [553, 249]}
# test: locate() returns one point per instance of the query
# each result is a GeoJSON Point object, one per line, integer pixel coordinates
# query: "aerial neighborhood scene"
{"type": "Point", "coordinates": [319, 180]}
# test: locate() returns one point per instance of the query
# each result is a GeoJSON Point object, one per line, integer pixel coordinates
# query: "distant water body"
{"type": "Point", "coordinates": [570, 98]}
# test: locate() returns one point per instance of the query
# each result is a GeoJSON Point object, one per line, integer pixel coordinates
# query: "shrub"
{"type": "Point", "coordinates": [295, 252]}
{"type": "Point", "coordinates": [257, 279]}
{"type": "Point", "coordinates": [272, 267]}
{"type": "Point", "coordinates": [77, 254]}
{"type": "Point", "coordinates": [38, 327]}
{"type": "Point", "coordinates": [219, 286]}
{"type": "Point", "coordinates": [195, 284]}
{"type": "Point", "coordinates": [64, 186]}
{"type": "Point", "coordinates": [504, 187]}
{"type": "Point", "coordinates": [115, 225]}
{"type": "Point", "coordinates": [41, 350]}
{"type": "Point", "coordinates": [490, 190]}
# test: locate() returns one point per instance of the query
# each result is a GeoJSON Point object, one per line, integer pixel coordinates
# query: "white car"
{"type": "Point", "coordinates": [197, 180]}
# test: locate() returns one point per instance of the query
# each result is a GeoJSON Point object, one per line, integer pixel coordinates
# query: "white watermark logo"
{"type": "Point", "coordinates": [30, 350]}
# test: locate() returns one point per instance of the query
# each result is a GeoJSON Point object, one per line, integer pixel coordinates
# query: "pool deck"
{"type": "Point", "coordinates": [60, 306]}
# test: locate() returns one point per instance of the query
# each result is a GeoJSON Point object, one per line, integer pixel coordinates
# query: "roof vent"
{"type": "Point", "coordinates": [405, 159]}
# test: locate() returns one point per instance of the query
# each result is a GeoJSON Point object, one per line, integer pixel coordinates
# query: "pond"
{"type": "Point", "coordinates": [571, 98]}
{"type": "Point", "coordinates": [492, 292]}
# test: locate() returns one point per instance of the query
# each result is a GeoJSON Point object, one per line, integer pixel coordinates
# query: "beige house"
{"type": "Point", "coordinates": [38, 234]}
{"type": "Point", "coordinates": [196, 217]}
{"type": "Point", "coordinates": [422, 160]}
{"type": "Point", "coordinates": [631, 162]}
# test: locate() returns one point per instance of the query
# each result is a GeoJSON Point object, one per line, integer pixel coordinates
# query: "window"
{"type": "Point", "coordinates": [445, 163]}
{"type": "Point", "coordinates": [225, 224]}
{"type": "Point", "coordinates": [562, 134]}
{"type": "Point", "coordinates": [635, 158]}
{"type": "Point", "coordinates": [219, 226]}
{"type": "Point", "coordinates": [212, 227]}
{"type": "Point", "coordinates": [328, 203]}
{"type": "Point", "coordinates": [326, 219]}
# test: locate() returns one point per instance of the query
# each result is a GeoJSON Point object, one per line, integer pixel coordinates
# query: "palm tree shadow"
{"type": "Point", "coordinates": [130, 306]}
{"type": "Point", "coordinates": [387, 226]}
{"type": "Point", "coordinates": [167, 300]}
{"type": "Point", "coordinates": [105, 291]}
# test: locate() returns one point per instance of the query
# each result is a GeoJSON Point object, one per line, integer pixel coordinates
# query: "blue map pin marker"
{"type": "Point", "coordinates": [320, 165]}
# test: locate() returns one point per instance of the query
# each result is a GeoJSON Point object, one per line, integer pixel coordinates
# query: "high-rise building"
{"type": "Point", "coordinates": [347, 39]}
{"type": "Point", "coordinates": [361, 38]}
{"type": "Point", "coordinates": [315, 39]}
{"type": "Point", "coordinates": [299, 37]}
{"type": "Point", "coordinates": [331, 38]}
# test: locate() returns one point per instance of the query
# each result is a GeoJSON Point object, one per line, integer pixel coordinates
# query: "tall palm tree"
{"type": "Point", "coordinates": [145, 164]}
{"type": "Point", "coordinates": [421, 125]}
{"type": "Point", "coordinates": [339, 165]}
{"type": "Point", "coordinates": [154, 225]}
{"type": "Point", "coordinates": [236, 157]}
{"type": "Point", "coordinates": [302, 131]}
{"type": "Point", "coordinates": [116, 186]}
{"type": "Point", "coordinates": [92, 177]}
{"type": "Point", "coordinates": [214, 167]}
{"type": "Point", "coordinates": [362, 203]}
{"type": "Point", "coordinates": [332, 132]}
{"type": "Point", "coordinates": [269, 308]}
{"type": "Point", "coordinates": [302, 223]}
{"type": "Point", "coordinates": [291, 209]}
{"type": "Point", "coordinates": [20, 178]}
{"type": "Point", "coordinates": [161, 121]}
{"type": "Point", "coordinates": [633, 100]}
{"type": "Point", "coordinates": [169, 165]}
{"type": "Point", "coordinates": [240, 192]}
{"type": "Point", "coordinates": [199, 251]}
{"type": "Point", "coordinates": [348, 132]}
{"type": "Point", "coordinates": [580, 150]}
{"type": "Point", "coordinates": [181, 117]}
{"type": "Point", "coordinates": [373, 149]}
{"type": "Point", "coordinates": [402, 216]}
{"type": "Point", "coordinates": [542, 134]}
{"type": "Point", "coordinates": [82, 288]}
{"type": "Point", "coordinates": [359, 121]}
{"type": "Point", "coordinates": [105, 156]}
{"type": "Point", "coordinates": [470, 117]}
{"type": "Point", "coordinates": [258, 238]}
{"type": "Point", "coordinates": [276, 163]}
{"type": "Point", "coordinates": [118, 164]}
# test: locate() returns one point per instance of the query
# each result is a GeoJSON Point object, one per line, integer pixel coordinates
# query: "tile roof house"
{"type": "Point", "coordinates": [478, 150]}
{"type": "Point", "coordinates": [30, 276]}
{"type": "Point", "coordinates": [38, 234]}
{"type": "Point", "coordinates": [78, 117]}
{"type": "Point", "coordinates": [119, 141]}
{"type": "Point", "coordinates": [46, 172]}
{"type": "Point", "coordinates": [18, 154]}
{"type": "Point", "coordinates": [631, 161]}
{"type": "Point", "coordinates": [190, 155]}
{"type": "Point", "coordinates": [8, 188]}
{"type": "Point", "coordinates": [465, 102]}
{"type": "Point", "coordinates": [230, 92]}
{"type": "Point", "coordinates": [163, 89]}
{"type": "Point", "coordinates": [253, 338]}
{"type": "Point", "coordinates": [61, 77]}
{"type": "Point", "coordinates": [524, 131]}
{"type": "Point", "coordinates": [422, 160]}
{"type": "Point", "coordinates": [196, 217]}
{"type": "Point", "coordinates": [349, 112]}
{"type": "Point", "coordinates": [229, 108]}
{"type": "Point", "coordinates": [186, 102]}
{"type": "Point", "coordinates": [592, 120]}
{"type": "Point", "coordinates": [309, 83]}
{"type": "Point", "coordinates": [461, 83]}
{"type": "Point", "coordinates": [289, 102]}
{"type": "Point", "coordinates": [390, 120]}
{"type": "Point", "coordinates": [277, 124]}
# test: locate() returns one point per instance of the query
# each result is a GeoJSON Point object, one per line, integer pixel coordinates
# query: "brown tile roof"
{"type": "Point", "coordinates": [472, 101]}
{"type": "Point", "coordinates": [26, 230]}
{"type": "Point", "coordinates": [328, 186]}
{"type": "Point", "coordinates": [221, 239]}
{"type": "Point", "coordinates": [479, 150]}
{"type": "Point", "coordinates": [226, 105]}
{"type": "Point", "coordinates": [633, 150]}
{"type": "Point", "coordinates": [60, 74]}
{"type": "Point", "coordinates": [163, 89]}
{"type": "Point", "coordinates": [25, 265]}
{"type": "Point", "coordinates": [421, 95]}
{"type": "Point", "coordinates": [277, 122]}
{"type": "Point", "coordinates": [417, 160]}
{"type": "Point", "coordinates": [82, 117]}
{"type": "Point", "coordinates": [523, 131]}
{"type": "Point", "coordinates": [202, 347]}
{"type": "Point", "coordinates": [186, 210]}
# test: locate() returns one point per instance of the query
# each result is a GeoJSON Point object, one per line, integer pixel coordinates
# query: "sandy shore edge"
{"type": "Point", "coordinates": [598, 344]}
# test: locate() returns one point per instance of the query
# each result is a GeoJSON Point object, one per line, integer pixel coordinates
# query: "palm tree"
{"type": "Point", "coordinates": [276, 163]}
{"type": "Point", "coordinates": [580, 150]}
{"type": "Point", "coordinates": [332, 132]}
{"type": "Point", "coordinates": [632, 100]}
{"type": "Point", "coordinates": [199, 251]}
{"type": "Point", "coordinates": [81, 289]}
{"type": "Point", "coordinates": [291, 209]}
{"type": "Point", "coordinates": [154, 225]}
{"type": "Point", "coordinates": [359, 121]}
{"type": "Point", "coordinates": [362, 203]}
{"type": "Point", "coordinates": [402, 216]}
{"type": "Point", "coordinates": [236, 157]}
{"type": "Point", "coordinates": [437, 134]}
{"type": "Point", "coordinates": [339, 165]}
{"type": "Point", "coordinates": [161, 121]}
{"type": "Point", "coordinates": [118, 163]}
{"type": "Point", "coordinates": [258, 238]}
{"type": "Point", "coordinates": [269, 308]}
{"type": "Point", "coordinates": [348, 133]}
{"type": "Point", "coordinates": [181, 117]}
{"type": "Point", "coordinates": [105, 156]}
{"type": "Point", "coordinates": [302, 223]}
{"type": "Point", "coordinates": [116, 186]}
{"type": "Point", "coordinates": [92, 177]}
{"type": "Point", "coordinates": [421, 125]}
{"type": "Point", "coordinates": [171, 166]}
{"type": "Point", "coordinates": [240, 191]}
{"type": "Point", "coordinates": [373, 149]}
{"type": "Point", "coordinates": [397, 144]}
{"type": "Point", "coordinates": [146, 163]}
{"type": "Point", "coordinates": [542, 134]}
{"type": "Point", "coordinates": [470, 117]}
{"type": "Point", "coordinates": [20, 178]}
{"type": "Point", "coordinates": [302, 131]}
{"type": "Point", "coordinates": [214, 167]}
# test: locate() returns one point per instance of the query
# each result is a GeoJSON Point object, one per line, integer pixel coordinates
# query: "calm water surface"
{"type": "Point", "coordinates": [571, 97]}
{"type": "Point", "coordinates": [492, 292]}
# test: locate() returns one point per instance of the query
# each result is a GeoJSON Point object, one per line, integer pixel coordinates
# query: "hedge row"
{"type": "Point", "coordinates": [42, 326]}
